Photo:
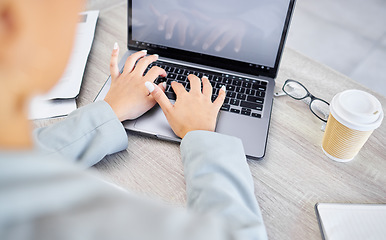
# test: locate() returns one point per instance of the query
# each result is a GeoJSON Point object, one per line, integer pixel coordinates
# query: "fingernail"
{"type": "Point", "coordinates": [164, 85]}
{"type": "Point", "coordinates": [145, 51]}
{"type": "Point", "coordinates": [205, 77]}
{"type": "Point", "coordinates": [224, 88]}
{"type": "Point", "coordinates": [149, 86]}
{"type": "Point", "coordinates": [156, 55]}
{"type": "Point", "coordinates": [115, 46]}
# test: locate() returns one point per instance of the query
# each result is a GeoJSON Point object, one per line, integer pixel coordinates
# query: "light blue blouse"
{"type": "Point", "coordinates": [47, 194]}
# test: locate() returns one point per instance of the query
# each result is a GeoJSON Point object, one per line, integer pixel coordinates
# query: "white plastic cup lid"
{"type": "Point", "coordinates": [357, 110]}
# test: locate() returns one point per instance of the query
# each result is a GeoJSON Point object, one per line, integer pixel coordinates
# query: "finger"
{"type": "Point", "coordinates": [114, 70]}
{"type": "Point", "coordinates": [207, 89]}
{"type": "Point", "coordinates": [153, 73]}
{"type": "Point", "coordinates": [162, 86]}
{"type": "Point", "coordinates": [132, 59]}
{"type": "Point", "coordinates": [220, 98]}
{"type": "Point", "coordinates": [195, 83]}
{"type": "Point", "coordinates": [144, 63]}
{"type": "Point", "coordinates": [161, 18]}
{"type": "Point", "coordinates": [178, 88]}
{"type": "Point", "coordinates": [200, 36]}
{"type": "Point", "coordinates": [224, 41]}
{"type": "Point", "coordinates": [160, 97]}
{"type": "Point", "coordinates": [162, 22]}
{"type": "Point", "coordinates": [154, 10]}
{"type": "Point", "coordinates": [191, 32]}
{"type": "Point", "coordinates": [238, 41]}
{"type": "Point", "coordinates": [170, 28]}
{"type": "Point", "coordinates": [183, 28]}
{"type": "Point", "coordinates": [213, 36]}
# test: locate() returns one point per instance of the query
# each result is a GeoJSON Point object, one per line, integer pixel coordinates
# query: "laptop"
{"type": "Point", "coordinates": [233, 43]}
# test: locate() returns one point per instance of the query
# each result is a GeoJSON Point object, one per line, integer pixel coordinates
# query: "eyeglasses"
{"type": "Point", "coordinates": [296, 90]}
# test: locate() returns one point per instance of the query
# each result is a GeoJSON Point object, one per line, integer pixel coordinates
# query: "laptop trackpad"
{"type": "Point", "coordinates": [154, 121]}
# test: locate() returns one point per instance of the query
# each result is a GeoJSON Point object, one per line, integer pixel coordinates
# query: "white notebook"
{"type": "Point", "coordinates": [352, 221]}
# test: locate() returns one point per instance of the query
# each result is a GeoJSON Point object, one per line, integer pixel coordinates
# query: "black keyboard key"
{"type": "Point", "coordinates": [231, 88]}
{"type": "Point", "coordinates": [171, 95]}
{"type": "Point", "coordinates": [235, 102]}
{"type": "Point", "coordinates": [217, 79]}
{"type": "Point", "coordinates": [245, 112]}
{"type": "Point", "coordinates": [171, 76]}
{"type": "Point", "coordinates": [214, 97]}
{"type": "Point", "coordinates": [169, 69]}
{"type": "Point", "coordinates": [236, 82]}
{"type": "Point", "coordinates": [257, 115]}
{"type": "Point", "coordinates": [231, 94]}
{"type": "Point", "coordinates": [225, 107]}
{"type": "Point", "coordinates": [259, 87]}
{"type": "Point", "coordinates": [219, 85]}
{"type": "Point", "coordinates": [255, 99]}
{"type": "Point", "coordinates": [254, 106]}
{"type": "Point", "coordinates": [187, 72]}
{"type": "Point", "coordinates": [263, 83]}
{"type": "Point", "coordinates": [247, 84]}
{"type": "Point", "coordinates": [241, 96]}
{"type": "Point", "coordinates": [159, 80]}
{"type": "Point", "coordinates": [227, 81]}
{"type": "Point", "coordinates": [235, 110]}
{"type": "Point", "coordinates": [179, 71]}
{"type": "Point", "coordinates": [260, 94]}
{"type": "Point", "coordinates": [226, 100]}
{"type": "Point", "coordinates": [181, 77]}
{"type": "Point", "coordinates": [250, 92]}
{"type": "Point", "coordinates": [240, 90]}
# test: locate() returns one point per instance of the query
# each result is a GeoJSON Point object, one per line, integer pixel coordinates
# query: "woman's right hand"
{"type": "Point", "coordinates": [193, 110]}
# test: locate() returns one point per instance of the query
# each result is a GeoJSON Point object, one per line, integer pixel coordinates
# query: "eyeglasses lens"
{"type": "Point", "coordinates": [295, 90]}
{"type": "Point", "coordinates": [320, 109]}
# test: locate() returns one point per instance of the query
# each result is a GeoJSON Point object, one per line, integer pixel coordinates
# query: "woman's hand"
{"type": "Point", "coordinates": [192, 110]}
{"type": "Point", "coordinates": [128, 96]}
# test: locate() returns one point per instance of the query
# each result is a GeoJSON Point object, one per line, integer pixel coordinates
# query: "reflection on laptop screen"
{"type": "Point", "coordinates": [229, 29]}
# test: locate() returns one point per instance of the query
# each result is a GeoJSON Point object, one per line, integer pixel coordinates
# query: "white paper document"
{"type": "Point", "coordinates": [42, 108]}
{"type": "Point", "coordinates": [68, 87]}
{"type": "Point", "coordinates": [352, 221]}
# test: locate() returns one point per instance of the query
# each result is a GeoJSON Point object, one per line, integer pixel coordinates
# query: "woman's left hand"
{"type": "Point", "coordinates": [128, 96]}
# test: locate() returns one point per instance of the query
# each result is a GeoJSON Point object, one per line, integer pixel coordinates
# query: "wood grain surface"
{"type": "Point", "coordinates": [293, 176]}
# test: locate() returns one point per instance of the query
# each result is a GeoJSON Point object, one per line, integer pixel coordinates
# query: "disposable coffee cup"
{"type": "Point", "coordinates": [354, 115]}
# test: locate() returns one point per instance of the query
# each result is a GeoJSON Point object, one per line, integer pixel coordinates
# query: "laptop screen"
{"type": "Point", "coordinates": [246, 35]}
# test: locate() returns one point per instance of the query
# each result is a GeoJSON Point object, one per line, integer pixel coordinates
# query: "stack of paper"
{"type": "Point", "coordinates": [60, 101]}
{"type": "Point", "coordinates": [352, 221]}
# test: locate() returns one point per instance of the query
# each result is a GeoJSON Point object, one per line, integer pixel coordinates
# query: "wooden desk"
{"type": "Point", "coordinates": [293, 176]}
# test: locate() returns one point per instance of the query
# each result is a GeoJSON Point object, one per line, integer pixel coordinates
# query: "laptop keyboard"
{"type": "Point", "coordinates": [243, 96]}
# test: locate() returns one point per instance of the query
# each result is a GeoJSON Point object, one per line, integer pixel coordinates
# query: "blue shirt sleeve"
{"type": "Point", "coordinates": [86, 136]}
{"type": "Point", "coordinates": [219, 182]}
